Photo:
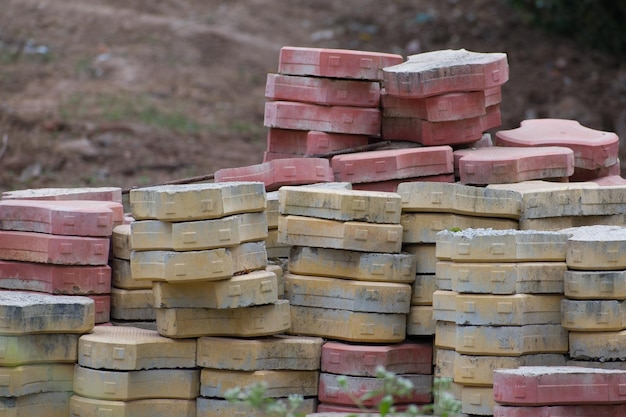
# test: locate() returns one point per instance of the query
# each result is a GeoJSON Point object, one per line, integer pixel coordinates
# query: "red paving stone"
{"type": "Point", "coordinates": [503, 165]}
{"type": "Point", "coordinates": [610, 180]}
{"type": "Point", "coordinates": [439, 108]}
{"type": "Point", "coordinates": [362, 360]}
{"type": "Point", "coordinates": [97, 193]}
{"type": "Point", "coordinates": [54, 249]}
{"type": "Point", "coordinates": [325, 91]}
{"type": "Point", "coordinates": [279, 172]}
{"type": "Point", "coordinates": [592, 148]}
{"type": "Point", "coordinates": [493, 96]}
{"type": "Point", "coordinates": [391, 186]}
{"type": "Point", "coordinates": [55, 279]}
{"type": "Point", "coordinates": [558, 385]}
{"type": "Point", "coordinates": [581, 175]}
{"type": "Point", "coordinates": [596, 410]}
{"type": "Point", "coordinates": [335, 119]}
{"type": "Point", "coordinates": [335, 63]}
{"type": "Point", "coordinates": [446, 71]}
{"type": "Point", "coordinates": [440, 133]}
{"type": "Point", "coordinates": [311, 142]}
{"type": "Point", "coordinates": [76, 218]}
{"type": "Point", "coordinates": [392, 164]}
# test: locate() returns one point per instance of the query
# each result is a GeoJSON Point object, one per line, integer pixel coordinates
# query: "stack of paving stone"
{"type": "Point", "coordinates": [39, 337]}
{"type": "Point", "coordinates": [430, 207]}
{"type": "Point", "coordinates": [126, 371]}
{"type": "Point", "coordinates": [545, 391]}
{"type": "Point", "coordinates": [347, 279]}
{"type": "Point", "coordinates": [59, 247]}
{"type": "Point", "coordinates": [323, 100]}
{"type": "Point", "coordinates": [595, 289]}
{"type": "Point", "coordinates": [503, 308]}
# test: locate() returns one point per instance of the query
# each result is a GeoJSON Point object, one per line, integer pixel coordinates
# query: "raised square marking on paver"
{"type": "Point", "coordinates": [477, 400]}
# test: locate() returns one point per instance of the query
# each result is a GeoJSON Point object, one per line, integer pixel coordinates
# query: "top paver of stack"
{"type": "Point", "coordinates": [542, 199]}
{"type": "Point", "coordinates": [597, 247]}
{"type": "Point", "coordinates": [446, 71]}
{"type": "Point", "coordinates": [441, 197]}
{"type": "Point", "coordinates": [592, 148]}
{"type": "Point", "coordinates": [196, 201]}
{"type": "Point", "coordinates": [74, 218]}
{"type": "Point", "coordinates": [335, 63]}
{"type": "Point", "coordinates": [87, 193]}
{"type": "Point", "coordinates": [488, 245]}
{"type": "Point", "coordinates": [346, 205]}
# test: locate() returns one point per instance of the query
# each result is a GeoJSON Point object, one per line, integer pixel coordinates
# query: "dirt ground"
{"type": "Point", "coordinates": [110, 93]}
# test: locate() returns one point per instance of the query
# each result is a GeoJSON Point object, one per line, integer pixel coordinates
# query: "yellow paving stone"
{"type": "Point", "coordinates": [280, 277]}
{"type": "Point", "coordinates": [441, 197]}
{"type": "Point", "coordinates": [362, 266]}
{"type": "Point", "coordinates": [184, 202]}
{"type": "Point", "coordinates": [199, 234]}
{"type": "Point", "coordinates": [552, 199]}
{"type": "Point", "coordinates": [121, 276]}
{"type": "Point", "coordinates": [23, 312]}
{"type": "Point", "coordinates": [347, 325]}
{"type": "Point", "coordinates": [444, 363]}
{"type": "Point", "coordinates": [270, 353]}
{"type": "Point", "coordinates": [595, 285]}
{"type": "Point", "coordinates": [334, 234]}
{"type": "Point", "coordinates": [593, 315]}
{"type": "Point", "coordinates": [271, 210]}
{"type": "Point", "coordinates": [422, 290]}
{"type": "Point", "coordinates": [477, 400]}
{"type": "Point", "coordinates": [213, 407]}
{"type": "Point", "coordinates": [48, 404]}
{"type": "Point", "coordinates": [252, 321]}
{"type": "Point", "coordinates": [596, 248]}
{"type": "Point", "coordinates": [248, 257]}
{"type": "Point", "coordinates": [444, 305]}
{"type": "Point", "coordinates": [131, 348]}
{"type": "Point", "coordinates": [181, 384]}
{"type": "Point", "coordinates": [341, 294]}
{"type": "Point", "coordinates": [505, 278]}
{"type": "Point", "coordinates": [511, 340]}
{"type": "Point", "coordinates": [425, 257]}
{"type": "Point", "coordinates": [423, 227]}
{"type": "Point", "coordinates": [558, 223]}
{"type": "Point", "coordinates": [120, 242]}
{"type": "Point", "coordinates": [254, 288]}
{"type": "Point", "coordinates": [478, 370]}
{"type": "Point", "coordinates": [132, 304]}
{"type": "Point", "coordinates": [343, 205]}
{"type": "Point", "coordinates": [182, 267]}
{"type": "Point", "coordinates": [602, 346]}
{"type": "Point", "coordinates": [38, 348]}
{"type": "Point", "coordinates": [154, 407]}
{"type": "Point", "coordinates": [23, 380]}
{"type": "Point", "coordinates": [274, 248]}
{"type": "Point", "coordinates": [488, 245]}
{"type": "Point", "coordinates": [420, 321]}
{"type": "Point", "coordinates": [279, 383]}
{"type": "Point", "coordinates": [445, 334]}
{"type": "Point", "coordinates": [444, 274]}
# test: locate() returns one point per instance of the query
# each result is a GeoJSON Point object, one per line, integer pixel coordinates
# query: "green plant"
{"type": "Point", "coordinates": [393, 386]}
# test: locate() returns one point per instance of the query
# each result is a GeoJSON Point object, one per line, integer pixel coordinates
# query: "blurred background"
{"type": "Point", "coordinates": [111, 93]}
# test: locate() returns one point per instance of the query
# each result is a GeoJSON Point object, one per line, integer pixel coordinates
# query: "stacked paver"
{"type": "Point", "coordinates": [348, 282]}
{"type": "Point", "coordinates": [543, 391]}
{"type": "Point", "coordinates": [503, 308]}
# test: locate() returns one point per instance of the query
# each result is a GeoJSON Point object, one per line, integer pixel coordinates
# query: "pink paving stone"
{"type": "Point", "coordinates": [610, 180]}
{"type": "Point", "coordinates": [440, 133]}
{"type": "Point", "coordinates": [391, 186]}
{"type": "Point", "coordinates": [493, 96]}
{"type": "Point", "coordinates": [335, 63]}
{"type": "Point", "coordinates": [54, 249]}
{"type": "Point", "coordinates": [96, 193]}
{"type": "Point", "coordinates": [274, 174]}
{"type": "Point", "coordinates": [392, 164]}
{"type": "Point", "coordinates": [102, 307]}
{"type": "Point", "coordinates": [76, 218]}
{"type": "Point", "coordinates": [558, 385]}
{"type": "Point", "coordinates": [325, 91]}
{"type": "Point", "coordinates": [446, 71]}
{"type": "Point", "coordinates": [581, 174]}
{"type": "Point", "coordinates": [362, 360]}
{"type": "Point", "coordinates": [503, 165]}
{"type": "Point", "coordinates": [55, 279]}
{"type": "Point", "coordinates": [439, 108]}
{"type": "Point", "coordinates": [335, 119]}
{"type": "Point", "coordinates": [595, 410]}
{"type": "Point", "coordinates": [592, 148]}
{"type": "Point", "coordinates": [311, 142]}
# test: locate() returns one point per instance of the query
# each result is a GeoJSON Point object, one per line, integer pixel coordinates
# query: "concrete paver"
{"type": "Point", "coordinates": [279, 383]}
{"type": "Point", "coordinates": [23, 380]}
{"type": "Point", "coordinates": [155, 407]}
{"type": "Point", "coordinates": [38, 348]}
{"type": "Point", "coordinates": [214, 407]}
{"type": "Point", "coordinates": [120, 246]}
{"type": "Point", "coordinates": [595, 285]}
{"type": "Point", "coordinates": [79, 193]}
{"type": "Point", "coordinates": [439, 108]}
{"type": "Point", "coordinates": [577, 410]}
{"type": "Point", "coordinates": [310, 142]}
{"type": "Point", "coordinates": [422, 289]}
{"type": "Point", "coordinates": [132, 304]}
{"type": "Point", "coordinates": [420, 321]}
{"type": "Point", "coordinates": [603, 346]}
{"type": "Point", "coordinates": [121, 276]}
{"type": "Point", "coordinates": [598, 247]}
{"type": "Point", "coordinates": [49, 404]}
{"type": "Point", "coordinates": [593, 315]}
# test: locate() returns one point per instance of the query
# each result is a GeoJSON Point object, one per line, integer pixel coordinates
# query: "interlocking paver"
{"type": "Point", "coordinates": [593, 315]}
{"type": "Point", "coordinates": [420, 321]}
{"type": "Point", "coordinates": [85, 193]}
{"type": "Point", "coordinates": [132, 304]}
{"type": "Point", "coordinates": [477, 400]}
{"type": "Point", "coordinates": [422, 289]}
{"type": "Point", "coordinates": [596, 285]}
{"type": "Point", "coordinates": [121, 276]}
{"type": "Point", "coordinates": [596, 248]}
{"type": "Point", "coordinates": [391, 186]}
{"type": "Point", "coordinates": [279, 383]}
{"type": "Point", "coordinates": [120, 246]}
{"type": "Point", "coordinates": [24, 349]}
{"type": "Point", "coordinates": [439, 108]}
{"type": "Point", "coordinates": [49, 404]}
{"type": "Point", "coordinates": [21, 380]}
{"type": "Point", "coordinates": [155, 407]}
{"type": "Point", "coordinates": [607, 347]}
{"type": "Point", "coordinates": [310, 142]}
{"type": "Point", "coordinates": [215, 407]}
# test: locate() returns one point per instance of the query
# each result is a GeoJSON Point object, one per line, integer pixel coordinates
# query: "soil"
{"type": "Point", "coordinates": [109, 93]}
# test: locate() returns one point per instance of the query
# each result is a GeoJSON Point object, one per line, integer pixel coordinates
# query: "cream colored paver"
{"type": "Point", "coordinates": [600, 285]}
{"type": "Point", "coordinates": [120, 242]}
{"type": "Point", "coordinates": [477, 400]}
{"type": "Point", "coordinates": [422, 289]}
{"type": "Point", "coordinates": [121, 276]}
{"type": "Point", "coordinates": [38, 348]}
{"type": "Point", "coordinates": [49, 404]}
{"type": "Point", "coordinates": [564, 222]}
{"type": "Point", "coordinates": [425, 257]}
{"type": "Point", "coordinates": [214, 407]}
{"type": "Point", "coordinates": [420, 321]}
{"type": "Point", "coordinates": [132, 304]}
{"type": "Point", "coordinates": [596, 248]}
{"type": "Point", "coordinates": [279, 383]}
{"type": "Point", "coordinates": [21, 380]}
{"type": "Point", "coordinates": [603, 346]}
{"type": "Point", "coordinates": [593, 315]}
{"type": "Point", "coordinates": [154, 407]}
